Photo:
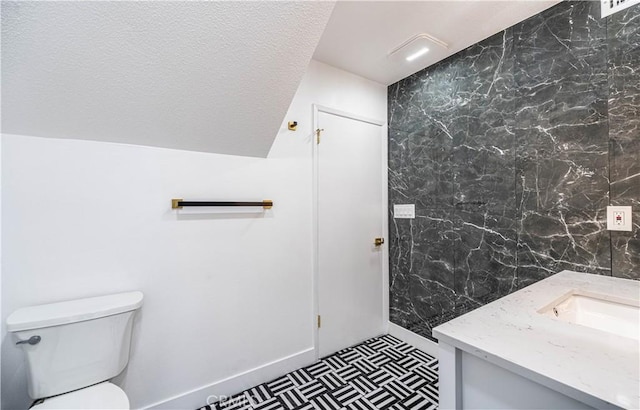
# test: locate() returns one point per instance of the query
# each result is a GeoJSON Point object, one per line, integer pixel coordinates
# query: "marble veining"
{"type": "Point", "coordinates": [511, 151]}
{"type": "Point", "coordinates": [623, 32]}
{"type": "Point", "coordinates": [563, 142]}
{"type": "Point", "coordinates": [421, 287]}
{"type": "Point", "coordinates": [485, 257]}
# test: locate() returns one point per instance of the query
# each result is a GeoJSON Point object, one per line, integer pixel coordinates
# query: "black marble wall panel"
{"type": "Point", "coordinates": [623, 33]}
{"type": "Point", "coordinates": [420, 169]}
{"type": "Point", "coordinates": [483, 155]}
{"type": "Point", "coordinates": [511, 151]}
{"type": "Point", "coordinates": [421, 258]}
{"type": "Point", "coordinates": [562, 141]}
{"type": "Point", "coordinates": [484, 257]}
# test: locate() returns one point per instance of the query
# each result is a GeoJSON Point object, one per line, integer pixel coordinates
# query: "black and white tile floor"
{"type": "Point", "coordinates": [381, 373]}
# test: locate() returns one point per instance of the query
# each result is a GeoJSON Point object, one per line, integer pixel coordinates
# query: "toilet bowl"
{"type": "Point", "coordinates": [103, 395]}
{"type": "Point", "coordinates": [74, 348]}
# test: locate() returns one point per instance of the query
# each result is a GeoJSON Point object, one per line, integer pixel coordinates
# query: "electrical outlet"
{"type": "Point", "coordinates": [619, 218]}
{"type": "Point", "coordinates": [404, 211]}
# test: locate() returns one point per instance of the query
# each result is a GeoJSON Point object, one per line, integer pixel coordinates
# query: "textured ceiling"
{"type": "Point", "coordinates": [203, 76]}
{"type": "Point", "coordinates": [361, 34]}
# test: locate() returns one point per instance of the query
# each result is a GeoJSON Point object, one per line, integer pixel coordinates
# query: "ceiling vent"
{"type": "Point", "coordinates": [608, 7]}
{"type": "Point", "coordinates": [415, 47]}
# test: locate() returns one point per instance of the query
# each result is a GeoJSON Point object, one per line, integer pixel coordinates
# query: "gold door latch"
{"type": "Point", "coordinates": [318, 131]}
{"type": "Point", "coordinates": [378, 241]}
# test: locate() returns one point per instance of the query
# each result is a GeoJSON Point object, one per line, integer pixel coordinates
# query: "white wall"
{"type": "Point", "coordinates": [223, 293]}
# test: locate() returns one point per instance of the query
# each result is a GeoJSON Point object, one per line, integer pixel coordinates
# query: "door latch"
{"type": "Point", "coordinates": [378, 241]}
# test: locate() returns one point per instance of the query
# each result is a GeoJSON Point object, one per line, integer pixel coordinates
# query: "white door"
{"type": "Point", "coordinates": [350, 218]}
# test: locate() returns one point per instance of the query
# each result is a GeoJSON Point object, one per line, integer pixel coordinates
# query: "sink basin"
{"type": "Point", "coordinates": [617, 316]}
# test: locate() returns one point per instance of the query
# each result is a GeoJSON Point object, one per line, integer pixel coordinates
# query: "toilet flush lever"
{"type": "Point", "coordinates": [33, 340]}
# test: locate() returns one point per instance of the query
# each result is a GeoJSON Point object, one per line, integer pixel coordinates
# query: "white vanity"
{"type": "Point", "coordinates": [571, 341]}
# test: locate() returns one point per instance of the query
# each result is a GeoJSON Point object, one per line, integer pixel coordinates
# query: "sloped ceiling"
{"type": "Point", "coordinates": [202, 76]}
{"type": "Point", "coordinates": [360, 35]}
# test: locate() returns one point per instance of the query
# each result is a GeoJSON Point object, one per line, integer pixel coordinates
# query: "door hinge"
{"type": "Point", "coordinates": [319, 321]}
{"type": "Point", "coordinates": [318, 131]}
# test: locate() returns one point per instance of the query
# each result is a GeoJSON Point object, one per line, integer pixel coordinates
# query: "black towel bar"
{"type": "Point", "coordinates": [178, 203]}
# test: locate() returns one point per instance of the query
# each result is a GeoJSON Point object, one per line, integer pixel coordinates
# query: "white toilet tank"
{"type": "Point", "coordinates": [74, 344]}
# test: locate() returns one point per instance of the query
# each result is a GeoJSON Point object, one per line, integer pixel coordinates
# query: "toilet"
{"type": "Point", "coordinates": [74, 348]}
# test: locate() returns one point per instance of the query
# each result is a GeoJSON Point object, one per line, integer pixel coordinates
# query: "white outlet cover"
{"type": "Point", "coordinates": [626, 224]}
{"type": "Point", "coordinates": [404, 211]}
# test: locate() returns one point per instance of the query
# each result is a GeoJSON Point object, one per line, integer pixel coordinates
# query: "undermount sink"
{"type": "Point", "coordinates": [617, 316]}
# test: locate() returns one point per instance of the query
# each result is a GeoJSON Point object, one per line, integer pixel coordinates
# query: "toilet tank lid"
{"type": "Point", "coordinates": [53, 314]}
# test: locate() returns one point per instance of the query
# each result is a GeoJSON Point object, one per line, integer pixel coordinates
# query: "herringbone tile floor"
{"type": "Point", "coordinates": [380, 373]}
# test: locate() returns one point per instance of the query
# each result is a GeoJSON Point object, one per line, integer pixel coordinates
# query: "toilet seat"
{"type": "Point", "coordinates": [99, 396]}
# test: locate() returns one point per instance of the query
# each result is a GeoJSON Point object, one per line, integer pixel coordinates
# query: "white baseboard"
{"type": "Point", "coordinates": [197, 398]}
{"type": "Point", "coordinates": [414, 339]}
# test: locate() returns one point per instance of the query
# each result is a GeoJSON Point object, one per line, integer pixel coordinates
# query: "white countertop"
{"type": "Point", "coordinates": [589, 365]}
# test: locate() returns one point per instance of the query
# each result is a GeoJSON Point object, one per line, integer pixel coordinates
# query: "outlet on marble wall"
{"type": "Point", "coordinates": [511, 150]}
